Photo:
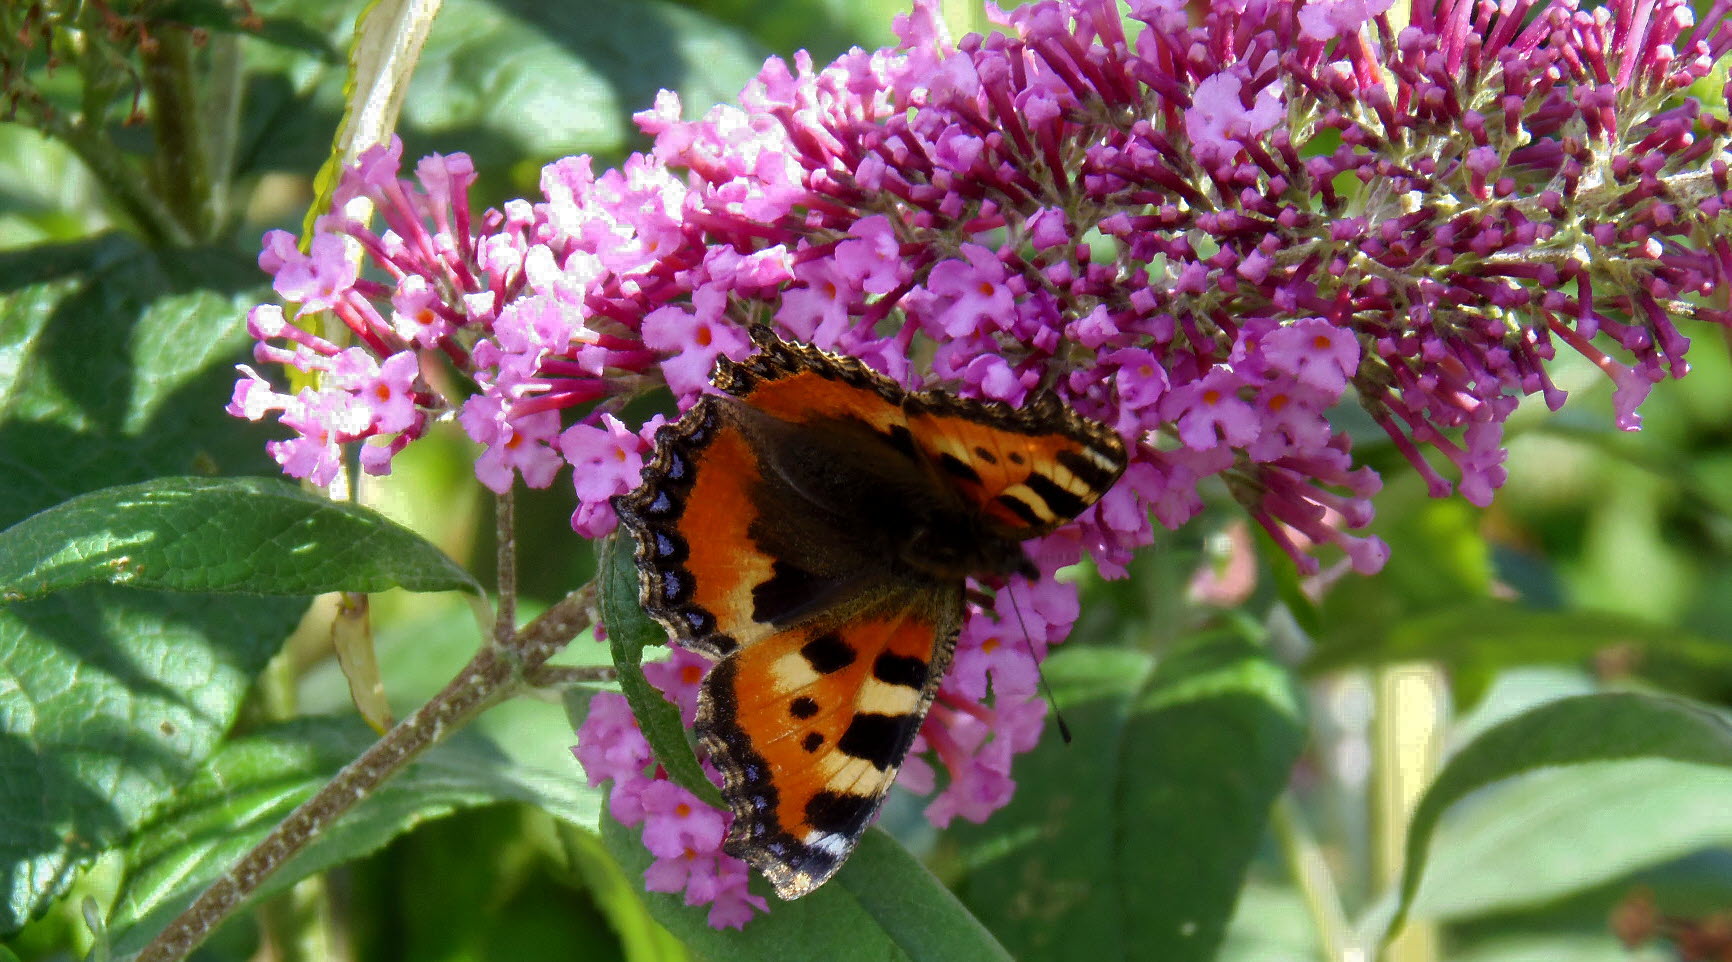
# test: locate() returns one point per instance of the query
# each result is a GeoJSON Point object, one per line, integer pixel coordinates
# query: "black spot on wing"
{"type": "Point", "coordinates": [828, 653]}
{"type": "Point", "coordinates": [839, 813]}
{"type": "Point", "coordinates": [803, 707]}
{"type": "Point", "coordinates": [812, 742]}
{"type": "Point", "coordinates": [985, 455]}
{"type": "Point", "coordinates": [1062, 502]}
{"type": "Point", "coordinates": [904, 670]}
{"type": "Point", "coordinates": [900, 438]}
{"type": "Point", "coordinates": [787, 589]}
{"type": "Point", "coordinates": [875, 738]}
{"type": "Point", "coordinates": [958, 468]}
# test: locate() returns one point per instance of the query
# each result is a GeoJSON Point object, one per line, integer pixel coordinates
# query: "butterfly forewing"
{"type": "Point", "coordinates": [1029, 470]}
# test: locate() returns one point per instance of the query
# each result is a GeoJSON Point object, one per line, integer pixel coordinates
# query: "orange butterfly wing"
{"type": "Point", "coordinates": [810, 727]}
{"type": "Point", "coordinates": [1028, 470]}
{"type": "Point", "coordinates": [828, 660]}
{"type": "Point", "coordinates": [767, 531]}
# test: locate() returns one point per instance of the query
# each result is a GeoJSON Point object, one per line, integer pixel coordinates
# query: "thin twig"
{"type": "Point", "coordinates": [562, 676]}
{"type": "Point", "coordinates": [177, 121]}
{"type": "Point", "coordinates": [1315, 882]}
{"type": "Point", "coordinates": [495, 673]}
{"type": "Point", "coordinates": [505, 565]}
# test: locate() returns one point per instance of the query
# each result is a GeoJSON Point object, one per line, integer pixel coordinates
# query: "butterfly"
{"type": "Point", "coordinates": [812, 529]}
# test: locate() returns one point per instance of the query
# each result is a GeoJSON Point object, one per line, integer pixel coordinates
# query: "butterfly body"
{"type": "Point", "coordinates": [813, 528]}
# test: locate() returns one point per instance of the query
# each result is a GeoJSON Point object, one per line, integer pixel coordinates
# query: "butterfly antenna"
{"type": "Point", "coordinates": [1045, 686]}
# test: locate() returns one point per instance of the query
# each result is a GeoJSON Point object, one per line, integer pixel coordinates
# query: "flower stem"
{"type": "Point", "coordinates": [1316, 885]}
{"type": "Point", "coordinates": [505, 565]}
{"type": "Point", "coordinates": [1407, 745]}
{"type": "Point", "coordinates": [222, 121]}
{"type": "Point", "coordinates": [183, 169]}
{"type": "Point", "coordinates": [494, 674]}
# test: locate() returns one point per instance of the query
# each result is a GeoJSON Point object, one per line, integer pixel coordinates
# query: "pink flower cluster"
{"type": "Point", "coordinates": [679, 829]}
{"type": "Point", "coordinates": [1210, 235]}
{"type": "Point", "coordinates": [973, 740]}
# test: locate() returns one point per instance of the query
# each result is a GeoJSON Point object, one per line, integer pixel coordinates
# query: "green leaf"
{"type": "Point", "coordinates": [115, 365]}
{"type": "Point", "coordinates": [1576, 947]}
{"type": "Point", "coordinates": [1270, 924]}
{"type": "Point", "coordinates": [629, 631]}
{"type": "Point", "coordinates": [1536, 839]}
{"type": "Point", "coordinates": [113, 697]}
{"type": "Point", "coordinates": [1133, 841]}
{"type": "Point", "coordinates": [482, 884]}
{"type": "Point", "coordinates": [1476, 640]}
{"type": "Point", "coordinates": [247, 787]}
{"type": "Point", "coordinates": [824, 27]}
{"type": "Point", "coordinates": [1570, 731]}
{"type": "Point", "coordinates": [248, 535]}
{"type": "Point", "coordinates": [882, 905]}
{"type": "Point", "coordinates": [1438, 560]}
{"type": "Point", "coordinates": [571, 73]}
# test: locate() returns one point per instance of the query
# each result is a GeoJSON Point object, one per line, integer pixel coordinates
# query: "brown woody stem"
{"type": "Point", "coordinates": [494, 674]}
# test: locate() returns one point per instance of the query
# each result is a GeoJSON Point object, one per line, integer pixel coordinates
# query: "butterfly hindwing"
{"type": "Point", "coordinates": [810, 726]}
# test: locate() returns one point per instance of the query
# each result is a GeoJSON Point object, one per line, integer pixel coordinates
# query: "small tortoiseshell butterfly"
{"type": "Point", "coordinates": [812, 529]}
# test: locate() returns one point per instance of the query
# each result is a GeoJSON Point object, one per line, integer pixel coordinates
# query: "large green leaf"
{"type": "Point", "coordinates": [1570, 731]}
{"type": "Point", "coordinates": [248, 535]}
{"type": "Point", "coordinates": [252, 783]}
{"type": "Point", "coordinates": [1133, 841]}
{"type": "Point", "coordinates": [883, 906]}
{"type": "Point", "coordinates": [114, 367]}
{"type": "Point", "coordinates": [629, 631]}
{"type": "Point", "coordinates": [1550, 834]}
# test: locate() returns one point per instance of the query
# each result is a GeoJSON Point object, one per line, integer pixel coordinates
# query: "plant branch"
{"type": "Point", "coordinates": [1312, 876]}
{"type": "Point", "coordinates": [563, 676]}
{"type": "Point", "coordinates": [222, 122]}
{"type": "Point", "coordinates": [505, 565]}
{"type": "Point", "coordinates": [182, 162]}
{"type": "Point", "coordinates": [494, 674]}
